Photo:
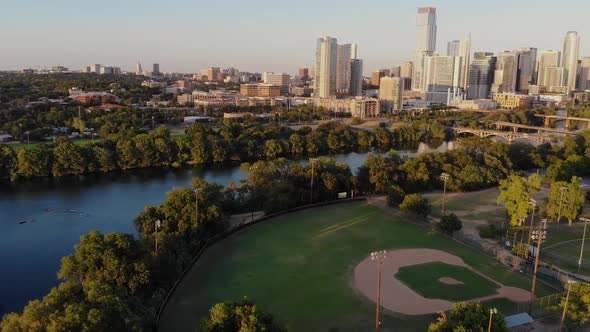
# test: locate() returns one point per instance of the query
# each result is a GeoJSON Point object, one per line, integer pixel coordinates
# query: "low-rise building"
{"type": "Point", "coordinates": [260, 90]}
{"type": "Point", "coordinates": [511, 101]}
{"type": "Point", "coordinates": [91, 97]}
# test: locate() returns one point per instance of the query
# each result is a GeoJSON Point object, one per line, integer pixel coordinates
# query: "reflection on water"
{"type": "Point", "coordinates": [58, 211]}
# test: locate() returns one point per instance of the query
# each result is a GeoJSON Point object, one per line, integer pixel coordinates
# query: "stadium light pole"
{"type": "Point", "coordinates": [445, 177]}
{"type": "Point", "coordinates": [539, 236]}
{"type": "Point", "coordinates": [158, 222]}
{"type": "Point", "coordinates": [493, 311]}
{"type": "Point", "coordinates": [197, 190]}
{"type": "Point", "coordinates": [312, 162]}
{"type": "Point", "coordinates": [153, 124]}
{"type": "Point", "coordinates": [570, 282]}
{"type": "Point", "coordinates": [585, 220]}
{"type": "Point", "coordinates": [533, 203]}
{"type": "Point", "coordinates": [379, 257]}
{"type": "Point", "coordinates": [562, 189]}
{"type": "Point", "coordinates": [28, 139]}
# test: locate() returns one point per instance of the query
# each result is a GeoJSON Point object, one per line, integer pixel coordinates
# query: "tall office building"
{"type": "Point", "coordinates": [213, 74]}
{"type": "Point", "coordinates": [138, 69]}
{"type": "Point", "coordinates": [442, 76]}
{"type": "Point", "coordinates": [377, 74]}
{"type": "Point", "coordinates": [526, 68]}
{"type": "Point", "coordinates": [356, 77]}
{"type": "Point", "coordinates": [506, 72]}
{"type": "Point", "coordinates": [325, 67]}
{"type": "Point", "coordinates": [345, 53]}
{"type": "Point", "coordinates": [585, 74]}
{"type": "Point", "coordinates": [461, 48]}
{"type": "Point", "coordinates": [395, 71]}
{"type": "Point", "coordinates": [571, 52]}
{"type": "Point", "coordinates": [155, 69]}
{"type": "Point", "coordinates": [304, 74]}
{"type": "Point", "coordinates": [481, 75]}
{"type": "Point", "coordinates": [554, 77]}
{"type": "Point", "coordinates": [406, 71]}
{"type": "Point", "coordinates": [94, 68]}
{"type": "Point", "coordinates": [425, 43]}
{"type": "Point", "coordinates": [391, 93]}
{"type": "Point", "coordinates": [280, 79]}
{"type": "Point", "coordinates": [547, 59]}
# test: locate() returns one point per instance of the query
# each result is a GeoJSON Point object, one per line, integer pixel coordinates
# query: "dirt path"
{"type": "Point", "coordinates": [397, 297]}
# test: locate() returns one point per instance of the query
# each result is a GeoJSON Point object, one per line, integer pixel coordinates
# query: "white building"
{"type": "Point", "coordinates": [571, 52]}
{"type": "Point", "coordinates": [391, 93]}
{"type": "Point", "coordinates": [461, 48]}
{"type": "Point", "coordinates": [442, 75]}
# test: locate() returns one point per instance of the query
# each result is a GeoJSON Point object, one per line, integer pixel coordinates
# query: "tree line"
{"type": "Point", "coordinates": [124, 147]}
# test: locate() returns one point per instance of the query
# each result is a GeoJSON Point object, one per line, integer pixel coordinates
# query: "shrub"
{"type": "Point", "coordinates": [415, 203]}
{"type": "Point", "coordinates": [450, 223]}
{"type": "Point", "coordinates": [489, 232]}
{"type": "Point", "coordinates": [357, 121]}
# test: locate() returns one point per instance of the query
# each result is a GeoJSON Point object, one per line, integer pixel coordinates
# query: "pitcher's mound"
{"type": "Point", "coordinates": [449, 281]}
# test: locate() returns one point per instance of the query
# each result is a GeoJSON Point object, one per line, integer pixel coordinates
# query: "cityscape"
{"type": "Point", "coordinates": [447, 191]}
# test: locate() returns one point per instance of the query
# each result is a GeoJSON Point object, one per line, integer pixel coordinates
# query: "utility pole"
{"type": "Point", "coordinates": [197, 191]}
{"type": "Point", "coordinates": [539, 236]}
{"type": "Point", "coordinates": [156, 236]}
{"type": "Point", "coordinates": [585, 220]}
{"type": "Point", "coordinates": [28, 139]}
{"type": "Point", "coordinates": [379, 257]}
{"type": "Point", "coordinates": [445, 177]}
{"type": "Point", "coordinates": [493, 311]}
{"type": "Point", "coordinates": [570, 282]}
{"type": "Point", "coordinates": [312, 162]}
{"type": "Point", "coordinates": [153, 123]}
{"type": "Point", "coordinates": [563, 189]}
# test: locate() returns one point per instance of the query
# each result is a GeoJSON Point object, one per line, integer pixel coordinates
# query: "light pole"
{"type": "Point", "coordinates": [562, 189]}
{"type": "Point", "coordinates": [493, 311]}
{"type": "Point", "coordinates": [445, 177]}
{"type": "Point", "coordinates": [570, 282]}
{"type": "Point", "coordinates": [158, 222]}
{"type": "Point", "coordinates": [533, 203]}
{"type": "Point", "coordinates": [585, 220]}
{"type": "Point", "coordinates": [197, 191]}
{"type": "Point", "coordinates": [379, 257]}
{"type": "Point", "coordinates": [28, 139]}
{"type": "Point", "coordinates": [153, 124]}
{"type": "Point", "coordinates": [312, 162]}
{"type": "Point", "coordinates": [539, 236]}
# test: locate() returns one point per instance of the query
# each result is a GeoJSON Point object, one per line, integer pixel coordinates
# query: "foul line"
{"type": "Point", "coordinates": [564, 242]}
{"type": "Point", "coordinates": [339, 227]}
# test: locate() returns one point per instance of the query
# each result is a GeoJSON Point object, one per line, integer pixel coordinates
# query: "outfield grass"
{"type": "Point", "coordinates": [563, 246]}
{"type": "Point", "coordinates": [424, 280]}
{"type": "Point", "coordinates": [299, 267]}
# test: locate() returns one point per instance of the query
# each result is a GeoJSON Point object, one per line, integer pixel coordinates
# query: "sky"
{"type": "Point", "coordinates": [266, 35]}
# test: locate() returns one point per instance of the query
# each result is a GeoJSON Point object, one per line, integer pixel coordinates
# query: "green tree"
{"type": "Point", "coordinates": [297, 144]}
{"type": "Point", "coordinates": [243, 316]}
{"type": "Point", "coordinates": [8, 162]}
{"type": "Point", "coordinates": [68, 158]}
{"type": "Point", "coordinates": [395, 196]}
{"type": "Point", "coordinates": [571, 205]}
{"type": "Point", "coordinates": [415, 203]}
{"type": "Point", "coordinates": [515, 193]}
{"type": "Point", "coordinates": [578, 307]}
{"type": "Point", "coordinates": [465, 317]}
{"type": "Point", "coordinates": [273, 148]}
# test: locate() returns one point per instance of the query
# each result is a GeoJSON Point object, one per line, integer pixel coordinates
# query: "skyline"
{"type": "Point", "coordinates": [38, 34]}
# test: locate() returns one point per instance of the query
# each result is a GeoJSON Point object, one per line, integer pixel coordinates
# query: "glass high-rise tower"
{"type": "Point", "coordinates": [425, 43]}
{"type": "Point", "coordinates": [571, 53]}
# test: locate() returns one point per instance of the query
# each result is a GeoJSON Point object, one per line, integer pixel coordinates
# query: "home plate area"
{"type": "Point", "coordinates": [426, 281]}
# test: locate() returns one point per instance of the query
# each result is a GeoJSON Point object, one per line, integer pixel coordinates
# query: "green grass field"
{"type": "Point", "coordinates": [77, 141]}
{"type": "Point", "coordinates": [563, 246]}
{"type": "Point", "coordinates": [424, 280]}
{"type": "Point", "coordinates": [299, 267]}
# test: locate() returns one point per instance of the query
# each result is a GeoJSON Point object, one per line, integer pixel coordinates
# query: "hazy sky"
{"type": "Point", "coordinates": [266, 35]}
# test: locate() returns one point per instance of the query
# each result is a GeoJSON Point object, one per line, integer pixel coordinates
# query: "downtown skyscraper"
{"type": "Point", "coordinates": [506, 72]}
{"type": "Point", "coordinates": [425, 43]}
{"type": "Point", "coordinates": [461, 48]}
{"type": "Point", "coordinates": [481, 75]}
{"type": "Point", "coordinates": [527, 64]}
{"type": "Point", "coordinates": [571, 53]}
{"type": "Point", "coordinates": [344, 54]}
{"type": "Point", "coordinates": [326, 64]}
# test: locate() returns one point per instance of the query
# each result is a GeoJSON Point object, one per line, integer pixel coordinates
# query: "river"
{"type": "Point", "coordinates": [58, 211]}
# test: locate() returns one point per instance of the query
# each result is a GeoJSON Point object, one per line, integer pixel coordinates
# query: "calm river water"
{"type": "Point", "coordinates": [59, 211]}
